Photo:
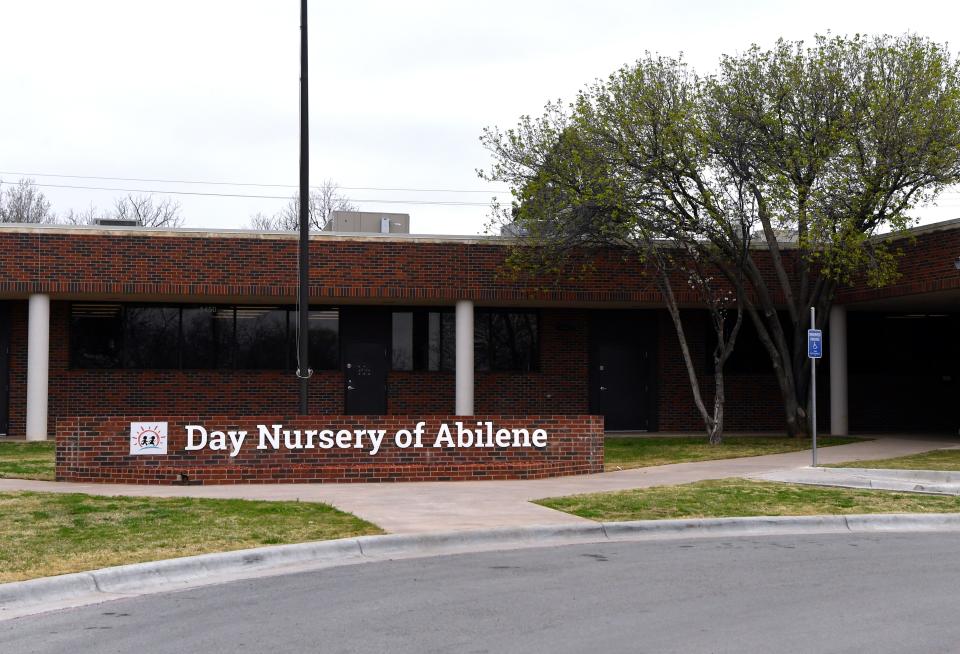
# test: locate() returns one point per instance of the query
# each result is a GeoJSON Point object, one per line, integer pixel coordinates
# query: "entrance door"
{"type": "Point", "coordinates": [365, 375]}
{"type": "Point", "coordinates": [365, 342]}
{"type": "Point", "coordinates": [622, 350]}
{"type": "Point", "coordinates": [4, 369]}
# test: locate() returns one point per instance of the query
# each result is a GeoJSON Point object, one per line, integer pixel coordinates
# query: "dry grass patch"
{"type": "Point", "coordinates": [622, 453]}
{"type": "Point", "coordinates": [45, 534]}
{"type": "Point", "coordinates": [935, 460]}
{"type": "Point", "coordinates": [27, 460]}
{"type": "Point", "coordinates": [726, 498]}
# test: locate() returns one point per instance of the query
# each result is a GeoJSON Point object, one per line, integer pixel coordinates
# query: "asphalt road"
{"type": "Point", "coordinates": [837, 593]}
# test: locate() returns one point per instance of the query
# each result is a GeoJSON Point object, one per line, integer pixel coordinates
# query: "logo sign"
{"type": "Point", "coordinates": [814, 343]}
{"type": "Point", "coordinates": [148, 438]}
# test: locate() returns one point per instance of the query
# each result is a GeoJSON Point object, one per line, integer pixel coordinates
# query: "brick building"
{"type": "Point", "coordinates": [101, 321]}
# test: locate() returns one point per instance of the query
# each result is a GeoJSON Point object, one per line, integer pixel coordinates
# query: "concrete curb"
{"type": "Point", "coordinates": [930, 482]}
{"type": "Point", "coordinates": [48, 593]}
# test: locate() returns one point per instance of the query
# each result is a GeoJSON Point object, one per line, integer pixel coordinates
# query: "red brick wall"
{"type": "Point", "coordinates": [124, 264]}
{"type": "Point", "coordinates": [753, 400]}
{"type": "Point", "coordinates": [97, 450]}
{"type": "Point", "coordinates": [926, 266]}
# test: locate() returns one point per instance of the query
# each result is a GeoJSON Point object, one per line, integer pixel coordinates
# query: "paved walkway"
{"type": "Point", "coordinates": [445, 506]}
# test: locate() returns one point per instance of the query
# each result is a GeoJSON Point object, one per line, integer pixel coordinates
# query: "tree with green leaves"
{"type": "Point", "coordinates": [815, 151]}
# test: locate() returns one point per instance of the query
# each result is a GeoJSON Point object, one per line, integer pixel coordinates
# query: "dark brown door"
{"type": "Point", "coordinates": [622, 348]}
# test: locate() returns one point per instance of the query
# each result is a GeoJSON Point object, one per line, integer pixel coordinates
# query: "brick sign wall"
{"type": "Point", "coordinates": [93, 449]}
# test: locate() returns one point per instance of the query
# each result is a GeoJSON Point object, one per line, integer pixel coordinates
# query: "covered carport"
{"type": "Point", "coordinates": [901, 372]}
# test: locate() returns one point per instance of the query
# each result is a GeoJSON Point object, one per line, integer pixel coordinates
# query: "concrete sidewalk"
{"type": "Point", "coordinates": [410, 508]}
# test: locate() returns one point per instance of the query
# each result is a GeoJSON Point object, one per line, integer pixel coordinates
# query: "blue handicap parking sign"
{"type": "Point", "coordinates": [814, 343]}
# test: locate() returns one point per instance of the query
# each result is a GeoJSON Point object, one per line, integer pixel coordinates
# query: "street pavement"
{"type": "Point", "coordinates": [800, 593]}
{"type": "Point", "coordinates": [423, 507]}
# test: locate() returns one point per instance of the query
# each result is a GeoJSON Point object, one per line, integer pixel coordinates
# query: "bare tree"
{"type": "Point", "coordinates": [88, 216]}
{"type": "Point", "coordinates": [261, 221]}
{"type": "Point", "coordinates": [148, 213]}
{"type": "Point", "coordinates": [324, 200]}
{"type": "Point", "coordinates": [23, 202]}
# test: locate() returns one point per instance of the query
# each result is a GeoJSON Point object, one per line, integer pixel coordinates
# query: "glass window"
{"type": "Point", "coordinates": [151, 337]}
{"type": "Point", "coordinates": [402, 340]}
{"type": "Point", "coordinates": [261, 338]}
{"type": "Point", "coordinates": [96, 332]}
{"type": "Point", "coordinates": [207, 337]}
{"type": "Point", "coordinates": [448, 341]}
{"type": "Point", "coordinates": [106, 335]}
{"type": "Point", "coordinates": [424, 340]}
{"type": "Point", "coordinates": [506, 340]}
{"type": "Point", "coordinates": [323, 349]}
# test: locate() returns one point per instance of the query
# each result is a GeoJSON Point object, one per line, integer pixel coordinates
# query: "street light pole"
{"type": "Point", "coordinates": [303, 294]}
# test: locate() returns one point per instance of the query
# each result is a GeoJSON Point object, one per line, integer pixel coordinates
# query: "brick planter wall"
{"type": "Point", "coordinates": [91, 449]}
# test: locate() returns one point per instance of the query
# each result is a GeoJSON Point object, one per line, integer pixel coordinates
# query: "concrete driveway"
{"type": "Point", "coordinates": [445, 506]}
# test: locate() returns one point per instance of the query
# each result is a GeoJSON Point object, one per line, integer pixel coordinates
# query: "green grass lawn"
{"type": "Point", "coordinates": [741, 497]}
{"type": "Point", "coordinates": [935, 460]}
{"type": "Point", "coordinates": [45, 534]}
{"type": "Point", "coordinates": [641, 451]}
{"type": "Point", "coordinates": [27, 460]}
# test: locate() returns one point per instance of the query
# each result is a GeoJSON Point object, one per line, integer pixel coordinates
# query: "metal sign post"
{"type": "Point", "coordinates": [814, 352]}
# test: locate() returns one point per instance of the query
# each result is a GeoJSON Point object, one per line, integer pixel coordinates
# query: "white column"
{"type": "Point", "coordinates": [464, 361]}
{"type": "Point", "coordinates": [837, 342]}
{"type": "Point", "coordinates": [38, 366]}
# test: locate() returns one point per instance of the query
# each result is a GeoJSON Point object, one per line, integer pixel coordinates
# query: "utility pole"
{"type": "Point", "coordinates": [303, 294]}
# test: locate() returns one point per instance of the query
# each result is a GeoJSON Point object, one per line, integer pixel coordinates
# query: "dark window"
{"type": "Point", "coordinates": [443, 341]}
{"type": "Point", "coordinates": [402, 340]}
{"type": "Point", "coordinates": [106, 335]}
{"type": "Point", "coordinates": [426, 340]}
{"type": "Point", "coordinates": [423, 340]}
{"type": "Point", "coordinates": [506, 340]}
{"type": "Point", "coordinates": [207, 333]}
{"type": "Point", "coordinates": [96, 332]}
{"type": "Point", "coordinates": [151, 337]}
{"type": "Point", "coordinates": [323, 349]}
{"type": "Point", "coordinates": [261, 336]}
{"type": "Point", "coordinates": [749, 354]}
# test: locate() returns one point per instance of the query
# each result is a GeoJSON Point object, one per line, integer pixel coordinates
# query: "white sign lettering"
{"type": "Point", "coordinates": [460, 435]}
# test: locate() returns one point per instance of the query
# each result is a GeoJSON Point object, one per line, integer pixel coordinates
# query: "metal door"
{"type": "Point", "coordinates": [365, 376]}
{"type": "Point", "coordinates": [622, 346]}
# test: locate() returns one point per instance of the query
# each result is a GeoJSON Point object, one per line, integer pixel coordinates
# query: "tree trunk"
{"type": "Point", "coordinates": [716, 431]}
{"type": "Point", "coordinates": [712, 423]}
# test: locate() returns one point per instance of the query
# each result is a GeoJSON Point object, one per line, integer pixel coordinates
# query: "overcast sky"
{"type": "Point", "coordinates": [207, 90]}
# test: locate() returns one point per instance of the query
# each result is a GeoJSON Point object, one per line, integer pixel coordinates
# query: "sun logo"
{"type": "Point", "coordinates": [148, 438]}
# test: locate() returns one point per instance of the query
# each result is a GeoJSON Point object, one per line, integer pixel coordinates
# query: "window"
{"type": "Point", "coordinates": [151, 336]}
{"type": "Point", "coordinates": [423, 340]}
{"type": "Point", "coordinates": [323, 350]}
{"type": "Point", "coordinates": [506, 341]}
{"type": "Point", "coordinates": [402, 341]}
{"type": "Point", "coordinates": [749, 354]}
{"type": "Point", "coordinates": [261, 338]}
{"type": "Point", "coordinates": [96, 334]}
{"type": "Point", "coordinates": [207, 337]}
{"type": "Point", "coordinates": [503, 340]}
{"type": "Point", "coordinates": [197, 337]}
